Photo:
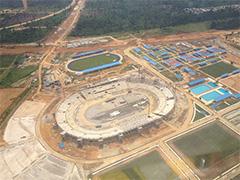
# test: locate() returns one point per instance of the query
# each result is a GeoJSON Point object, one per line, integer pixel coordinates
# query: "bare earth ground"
{"type": "Point", "coordinates": [21, 49]}
{"type": "Point", "coordinates": [185, 36]}
{"type": "Point", "coordinates": [7, 96]}
{"type": "Point", "coordinates": [233, 82]}
{"type": "Point", "coordinates": [122, 43]}
{"type": "Point", "coordinates": [2, 142]}
{"type": "Point", "coordinates": [22, 122]}
{"type": "Point", "coordinates": [233, 59]}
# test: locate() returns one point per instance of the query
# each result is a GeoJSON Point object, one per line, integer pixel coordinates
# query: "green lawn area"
{"type": "Point", "coordinates": [218, 69]}
{"type": "Point", "coordinates": [185, 28]}
{"type": "Point", "coordinates": [1, 71]}
{"type": "Point", "coordinates": [209, 147]}
{"type": "Point", "coordinates": [15, 74]}
{"type": "Point", "coordinates": [6, 60]}
{"type": "Point", "coordinates": [200, 113]}
{"type": "Point", "coordinates": [190, 27]}
{"type": "Point", "coordinates": [93, 61]}
{"type": "Point", "coordinates": [148, 167]}
{"type": "Point", "coordinates": [170, 75]}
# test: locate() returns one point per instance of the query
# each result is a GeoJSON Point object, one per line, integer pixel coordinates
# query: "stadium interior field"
{"type": "Point", "coordinates": [92, 62]}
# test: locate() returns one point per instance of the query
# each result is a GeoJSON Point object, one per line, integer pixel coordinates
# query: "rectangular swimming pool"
{"type": "Point", "coordinates": [212, 84]}
{"type": "Point", "coordinates": [200, 89]}
{"type": "Point", "coordinates": [224, 91]}
{"type": "Point", "coordinates": [211, 96]}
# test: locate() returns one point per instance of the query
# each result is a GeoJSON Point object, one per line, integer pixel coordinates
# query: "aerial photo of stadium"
{"type": "Point", "coordinates": [108, 110]}
{"type": "Point", "coordinates": [119, 90]}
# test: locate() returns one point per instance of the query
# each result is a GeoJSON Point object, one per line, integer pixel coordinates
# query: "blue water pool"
{"type": "Point", "coordinates": [212, 84]}
{"type": "Point", "coordinates": [211, 96]}
{"type": "Point", "coordinates": [224, 91]}
{"type": "Point", "coordinates": [200, 89]}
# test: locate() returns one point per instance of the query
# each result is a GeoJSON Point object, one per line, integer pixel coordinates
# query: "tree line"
{"type": "Point", "coordinates": [107, 16]}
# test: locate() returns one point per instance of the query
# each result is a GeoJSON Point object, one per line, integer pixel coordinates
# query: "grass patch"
{"type": "Point", "coordinates": [6, 60]}
{"type": "Point", "coordinates": [150, 166]}
{"type": "Point", "coordinates": [186, 28]}
{"type": "Point", "coordinates": [93, 61]}
{"type": "Point", "coordinates": [200, 113]}
{"type": "Point", "coordinates": [218, 69]}
{"type": "Point", "coordinates": [1, 71]}
{"type": "Point", "coordinates": [209, 148]}
{"type": "Point", "coordinates": [16, 74]}
{"type": "Point", "coordinates": [170, 76]}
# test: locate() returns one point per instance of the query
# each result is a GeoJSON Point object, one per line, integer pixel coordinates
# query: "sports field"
{"type": "Point", "coordinates": [93, 61]}
{"type": "Point", "coordinates": [170, 75]}
{"type": "Point", "coordinates": [212, 149]}
{"type": "Point", "coordinates": [218, 69]}
{"type": "Point", "coordinates": [148, 167]}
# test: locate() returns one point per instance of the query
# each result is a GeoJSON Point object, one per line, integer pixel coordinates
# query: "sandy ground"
{"type": "Point", "coordinates": [22, 122]}
{"type": "Point", "coordinates": [123, 43]}
{"type": "Point", "coordinates": [185, 36]}
{"type": "Point", "coordinates": [21, 50]}
{"type": "Point", "coordinates": [233, 82]}
{"type": "Point", "coordinates": [233, 58]}
{"type": "Point", "coordinates": [2, 142]}
{"type": "Point", "coordinates": [7, 96]}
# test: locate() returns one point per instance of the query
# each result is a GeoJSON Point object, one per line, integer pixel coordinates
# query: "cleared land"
{"type": "Point", "coordinates": [149, 167]}
{"type": "Point", "coordinates": [91, 62]}
{"type": "Point", "coordinates": [212, 149]}
{"type": "Point", "coordinates": [7, 96]}
{"type": "Point", "coordinates": [232, 82]}
{"type": "Point", "coordinates": [218, 69]}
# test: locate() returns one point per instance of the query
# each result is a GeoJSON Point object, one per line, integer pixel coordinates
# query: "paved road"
{"type": "Point", "coordinates": [65, 30]}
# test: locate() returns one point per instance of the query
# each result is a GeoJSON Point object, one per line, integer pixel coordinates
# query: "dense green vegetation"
{"type": "Point", "coordinates": [10, 70]}
{"type": "Point", "coordinates": [34, 32]}
{"type": "Point", "coordinates": [226, 23]}
{"type": "Point", "coordinates": [6, 60]}
{"type": "Point", "coordinates": [108, 16]}
{"type": "Point", "coordinates": [39, 4]}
